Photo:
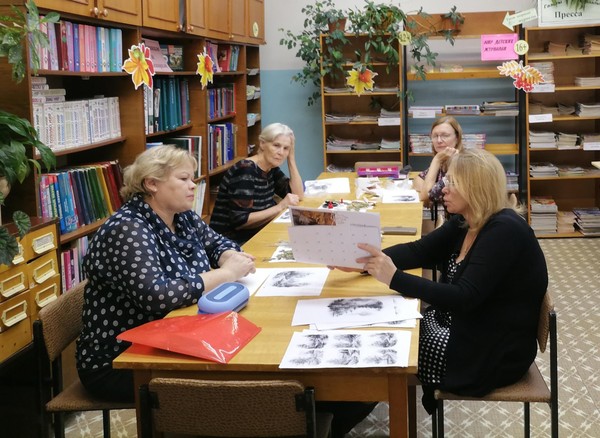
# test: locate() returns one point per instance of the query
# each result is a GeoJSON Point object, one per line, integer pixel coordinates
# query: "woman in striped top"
{"type": "Point", "coordinates": [247, 194]}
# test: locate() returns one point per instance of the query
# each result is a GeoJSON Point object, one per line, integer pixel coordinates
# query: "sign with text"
{"type": "Point", "coordinates": [499, 47]}
{"type": "Point", "coordinates": [564, 15]}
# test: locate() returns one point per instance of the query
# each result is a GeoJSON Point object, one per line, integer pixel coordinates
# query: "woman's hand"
{"type": "Point", "coordinates": [239, 264]}
{"type": "Point", "coordinates": [290, 199]}
{"type": "Point", "coordinates": [344, 269]}
{"type": "Point", "coordinates": [378, 264]}
{"type": "Point", "coordinates": [445, 155]}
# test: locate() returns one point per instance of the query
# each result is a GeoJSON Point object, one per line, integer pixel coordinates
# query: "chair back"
{"type": "Point", "coordinates": [62, 320]}
{"type": "Point", "coordinates": [544, 322]}
{"type": "Point", "coordinates": [225, 408]}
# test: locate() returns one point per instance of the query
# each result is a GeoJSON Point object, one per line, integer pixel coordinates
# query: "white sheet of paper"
{"type": "Point", "coordinates": [400, 196]}
{"type": "Point", "coordinates": [330, 236]}
{"type": "Point", "coordinates": [405, 310]}
{"type": "Point", "coordinates": [347, 349]}
{"type": "Point", "coordinates": [328, 185]}
{"type": "Point", "coordinates": [253, 281]}
{"type": "Point", "coordinates": [294, 282]}
{"type": "Point", "coordinates": [283, 253]}
{"type": "Point", "coordinates": [346, 310]}
{"type": "Point", "coordinates": [283, 218]}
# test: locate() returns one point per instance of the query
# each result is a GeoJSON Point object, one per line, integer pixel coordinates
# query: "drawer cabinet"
{"type": "Point", "coordinates": [28, 284]}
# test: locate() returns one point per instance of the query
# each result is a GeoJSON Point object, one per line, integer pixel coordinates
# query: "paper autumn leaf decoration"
{"type": "Point", "coordinates": [360, 80]}
{"type": "Point", "coordinates": [139, 65]}
{"type": "Point", "coordinates": [205, 68]}
{"type": "Point", "coordinates": [525, 76]}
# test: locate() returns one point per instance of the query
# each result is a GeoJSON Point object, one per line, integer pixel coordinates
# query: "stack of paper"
{"type": "Point", "coordinates": [568, 141]}
{"type": "Point", "coordinates": [538, 170]}
{"type": "Point", "coordinates": [544, 217]}
{"type": "Point", "coordinates": [542, 139]}
{"type": "Point", "coordinates": [587, 110]}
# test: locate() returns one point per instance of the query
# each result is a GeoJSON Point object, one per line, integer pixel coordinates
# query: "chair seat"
{"type": "Point", "coordinates": [76, 398]}
{"type": "Point", "coordinates": [531, 388]}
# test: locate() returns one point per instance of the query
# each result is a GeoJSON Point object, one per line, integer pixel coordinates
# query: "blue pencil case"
{"type": "Point", "coordinates": [224, 298]}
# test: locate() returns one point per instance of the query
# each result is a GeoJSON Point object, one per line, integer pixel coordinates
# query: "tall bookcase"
{"type": "Point", "coordinates": [461, 78]}
{"type": "Point", "coordinates": [361, 114]}
{"type": "Point", "coordinates": [17, 98]}
{"type": "Point", "coordinates": [572, 191]}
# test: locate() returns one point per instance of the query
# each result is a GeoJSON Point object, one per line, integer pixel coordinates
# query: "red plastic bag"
{"type": "Point", "coordinates": [217, 337]}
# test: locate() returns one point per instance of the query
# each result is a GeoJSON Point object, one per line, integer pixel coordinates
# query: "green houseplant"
{"type": "Point", "coordinates": [382, 24]}
{"type": "Point", "coordinates": [13, 31]}
{"type": "Point", "coordinates": [19, 141]}
{"type": "Point", "coordinates": [319, 16]}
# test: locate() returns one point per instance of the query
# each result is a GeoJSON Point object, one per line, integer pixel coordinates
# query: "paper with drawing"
{"type": "Point", "coordinates": [330, 237]}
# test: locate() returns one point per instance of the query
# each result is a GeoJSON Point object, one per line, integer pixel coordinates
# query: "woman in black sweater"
{"type": "Point", "coordinates": [480, 331]}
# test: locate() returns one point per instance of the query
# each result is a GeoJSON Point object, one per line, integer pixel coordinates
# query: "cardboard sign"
{"type": "Point", "coordinates": [499, 47]}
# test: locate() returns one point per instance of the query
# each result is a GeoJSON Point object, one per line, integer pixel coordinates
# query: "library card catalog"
{"type": "Point", "coordinates": [330, 237]}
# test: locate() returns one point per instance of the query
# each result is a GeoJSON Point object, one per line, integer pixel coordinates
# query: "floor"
{"type": "Point", "coordinates": [575, 279]}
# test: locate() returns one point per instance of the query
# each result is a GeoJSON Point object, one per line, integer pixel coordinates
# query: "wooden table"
{"type": "Point", "coordinates": [261, 357]}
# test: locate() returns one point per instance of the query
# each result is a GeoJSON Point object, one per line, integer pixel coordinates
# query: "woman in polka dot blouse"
{"type": "Point", "coordinates": [479, 332]}
{"type": "Point", "coordinates": [152, 256]}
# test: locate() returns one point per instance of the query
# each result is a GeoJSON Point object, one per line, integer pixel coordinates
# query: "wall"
{"type": "Point", "coordinates": [285, 101]}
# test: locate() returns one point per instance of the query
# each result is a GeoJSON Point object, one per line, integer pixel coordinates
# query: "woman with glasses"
{"type": "Point", "coordinates": [446, 139]}
{"type": "Point", "coordinates": [479, 332]}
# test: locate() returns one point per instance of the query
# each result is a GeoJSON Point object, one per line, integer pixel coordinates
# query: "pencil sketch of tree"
{"type": "Point", "coordinates": [347, 357]}
{"type": "Point", "coordinates": [384, 340]}
{"type": "Point", "coordinates": [348, 341]}
{"type": "Point", "coordinates": [291, 279]}
{"type": "Point", "coordinates": [385, 356]}
{"type": "Point", "coordinates": [314, 341]}
{"type": "Point", "coordinates": [309, 358]}
{"type": "Point", "coordinates": [360, 306]}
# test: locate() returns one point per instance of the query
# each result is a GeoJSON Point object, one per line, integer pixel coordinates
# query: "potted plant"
{"type": "Point", "coordinates": [451, 23]}
{"type": "Point", "coordinates": [19, 141]}
{"type": "Point", "coordinates": [318, 18]}
{"type": "Point", "coordinates": [381, 23]}
{"type": "Point", "coordinates": [13, 31]}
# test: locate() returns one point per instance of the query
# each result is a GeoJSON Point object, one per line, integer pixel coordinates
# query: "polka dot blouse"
{"type": "Point", "coordinates": [138, 271]}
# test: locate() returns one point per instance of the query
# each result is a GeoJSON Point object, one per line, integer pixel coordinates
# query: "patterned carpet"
{"type": "Point", "coordinates": [575, 279]}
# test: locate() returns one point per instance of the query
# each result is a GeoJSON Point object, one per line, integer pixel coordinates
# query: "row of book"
{"type": "Point", "coordinates": [221, 144]}
{"type": "Point", "coordinates": [558, 109]}
{"type": "Point", "coordinates": [224, 56]}
{"type": "Point", "coordinates": [191, 143]}
{"type": "Point", "coordinates": [563, 140]}
{"type": "Point", "coordinates": [81, 195]}
{"type": "Point", "coordinates": [221, 100]}
{"type": "Point", "coordinates": [81, 47]}
{"type": "Point", "coordinates": [335, 143]}
{"type": "Point", "coordinates": [548, 169]}
{"type": "Point", "coordinates": [167, 104]}
{"type": "Point", "coordinates": [72, 262]}
{"type": "Point", "coordinates": [63, 124]}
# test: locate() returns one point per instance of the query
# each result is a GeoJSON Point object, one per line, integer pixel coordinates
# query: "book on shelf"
{"type": "Point", "coordinates": [160, 63]}
{"type": "Point", "coordinates": [173, 54]}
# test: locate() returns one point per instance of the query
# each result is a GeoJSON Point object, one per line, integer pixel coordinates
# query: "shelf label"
{"type": "Point", "coordinates": [499, 46]}
{"type": "Point", "coordinates": [540, 118]}
{"type": "Point", "coordinates": [543, 88]}
{"type": "Point", "coordinates": [423, 114]}
{"type": "Point", "coordinates": [563, 14]}
{"type": "Point", "coordinates": [519, 18]}
{"type": "Point", "coordinates": [591, 146]}
{"type": "Point", "coordinates": [388, 121]}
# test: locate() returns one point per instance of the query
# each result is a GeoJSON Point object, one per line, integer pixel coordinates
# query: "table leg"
{"type": "Point", "coordinates": [398, 401]}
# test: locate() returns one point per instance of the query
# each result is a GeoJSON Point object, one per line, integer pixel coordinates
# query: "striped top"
{"type": "Point", "coordinates": [244, 189]}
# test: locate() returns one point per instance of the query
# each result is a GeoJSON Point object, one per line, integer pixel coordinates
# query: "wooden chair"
{"type": "Point", "coordinates": [262, 408]}
{"type": "Point", "coordinates": [532, 388]}
{"type": "Point", "coordinates": [58, 325]}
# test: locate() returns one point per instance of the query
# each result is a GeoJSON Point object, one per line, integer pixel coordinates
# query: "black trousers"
{"type": "Point", "coordinates": [346, 414]}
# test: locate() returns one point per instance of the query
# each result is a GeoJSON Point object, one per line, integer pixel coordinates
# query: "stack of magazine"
{"type": "Point", "coordinates": [587, 220]}
{"type": "Point", "coordinates": [544, 215]}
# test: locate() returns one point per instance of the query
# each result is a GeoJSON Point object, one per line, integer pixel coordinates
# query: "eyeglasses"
{"type": "Point", "coordinates": [448, 182]}
{"type": "Point", "coordinates": [442, 137]}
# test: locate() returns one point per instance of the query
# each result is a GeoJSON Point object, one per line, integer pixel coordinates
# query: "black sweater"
{"type": "Point", "coordinates": [495, 298]}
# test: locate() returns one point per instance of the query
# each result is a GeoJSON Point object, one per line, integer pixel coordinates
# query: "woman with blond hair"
{"type": "Point", "coordinates": [479, 332]}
